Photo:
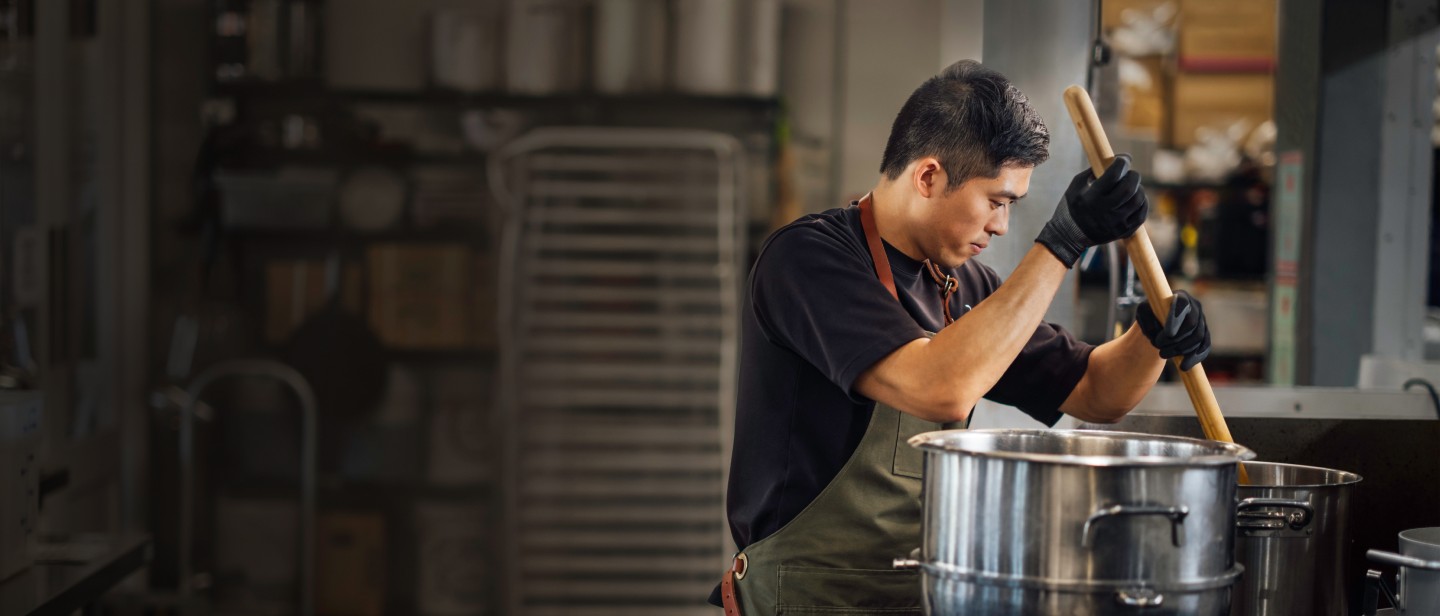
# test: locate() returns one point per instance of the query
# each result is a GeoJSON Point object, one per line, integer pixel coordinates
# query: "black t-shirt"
{"type": "Point", "coordinates": [817, 318]}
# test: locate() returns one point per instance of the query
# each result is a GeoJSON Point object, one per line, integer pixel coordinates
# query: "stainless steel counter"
{"type": "Point", "coordinates": [1254, 401]}
{"type": "Point", "coordinates": [69, 575]}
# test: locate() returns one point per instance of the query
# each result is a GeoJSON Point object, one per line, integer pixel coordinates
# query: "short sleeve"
{"type": "Point", "coordinates": [1044, 373]}
{"type": "Point", "coordinates": [814, 292]}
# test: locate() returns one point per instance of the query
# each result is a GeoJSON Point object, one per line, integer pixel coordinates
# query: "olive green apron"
{"type": "Point", "coordinates": [836, 556]}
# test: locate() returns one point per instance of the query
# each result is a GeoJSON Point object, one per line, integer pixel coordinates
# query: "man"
{"type": "Point", "coordinates": [872, 323]}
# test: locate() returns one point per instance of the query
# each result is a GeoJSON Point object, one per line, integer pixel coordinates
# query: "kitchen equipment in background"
{"type": "Point", "coordinates": [289, 198]}
{"type": "Point", "coordinates": [542, 47]}
{"type": "Point", "coordinates": [486, 129]}
{"type": "Point", "coordinates": [350, 557]}
{"type": "Point", "coordinates": [302, 40]}
{"type": "Point", "coordinates": [461, 447]}
{"type": "Point", "coordinates": [760, 45]}
{"type": "Point", "coordinates": [1417, 591]}
{"type": "Point", "coordinates": [339, 354]}
{"type": "Point", "coordinates": [630, 46]}
{"type": "Point", "coordinates": [256, 568]}
{"type": "Point", "coordinates": [620, 269]}
{"type": "Point", "coordinates": [706, 50]}
{"type": "Point", "coordinates": [20, 482]}
{"type": "Point", "coordinates": [372, 198]}
{"type": "Point", "coordinates": [294, 290]}
{"type": "Point", "coordinates": [263, 36]}
{"type": "Point", "coordinates": [1291, 537]}
{"type": "Point", "coordinates": [1019, 522]}
{"type": "Point", "coordinates": [302, 540]}
{"type": "Point", "coordinates": [453, 546]}
{"type": "Point", "coordinates": [465, 48]}
{"type": "Point", "coordinates": [423, 297]}
{"type": "Point", "coordinates": [455, 198]}
{"type": "Point", "coordinates": [229, 53]}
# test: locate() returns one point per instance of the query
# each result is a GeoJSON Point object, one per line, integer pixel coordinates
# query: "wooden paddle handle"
{"type": "Point", "coordinates": [1147, 267]}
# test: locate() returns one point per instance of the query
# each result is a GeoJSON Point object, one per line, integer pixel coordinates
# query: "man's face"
{"type": "Point", "coordinates": [959, 224]}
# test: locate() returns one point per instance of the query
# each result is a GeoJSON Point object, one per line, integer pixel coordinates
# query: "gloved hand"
{"type": "Point", "coordinates": [1184, 332]}
{"type": "Point", "coordinates": [1109, 208]}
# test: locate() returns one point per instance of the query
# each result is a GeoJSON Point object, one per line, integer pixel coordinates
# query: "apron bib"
{"type": "Point", "coordinates": [836, 556]}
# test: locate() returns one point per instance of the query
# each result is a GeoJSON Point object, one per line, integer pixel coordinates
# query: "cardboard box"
{"type": "Point", "coordinates": [1219, 100]}
{"type": "Point", "coordinates": [422, 320]}
{"type": "Point", "coordinates": [1113, 11]}
{"type": "Point", "coordinates": [1227, 35]}
{"type": "Point", "coordinates": [414, 268]}
{"type": "Point", "coordinates": [1145, 104]}
{"type": "Point", "coordinates": [431, 296]}
{"type": "Point", "coordinates": [350, 564]}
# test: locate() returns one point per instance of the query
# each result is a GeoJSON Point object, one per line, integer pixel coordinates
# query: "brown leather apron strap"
{"type": "Point", "coordinates": [877, 250]}
{"type": "Point", "coordinates": [727, 585]}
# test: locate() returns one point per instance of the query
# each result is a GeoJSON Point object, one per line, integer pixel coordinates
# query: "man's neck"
{"type": "Point", "coordinates": [889, 203]}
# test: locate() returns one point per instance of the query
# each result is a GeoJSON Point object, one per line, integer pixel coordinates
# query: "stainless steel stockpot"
{"type": "Point", "coordinates": [1291, 539]}
{"type": "Point", "coordinates": [1081, 523]}
{"type": "Point", "coordinates": [1418, 589]}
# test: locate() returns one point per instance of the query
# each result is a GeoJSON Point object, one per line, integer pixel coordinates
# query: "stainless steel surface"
{"type": "Point", "coordinates": [1077, 522]}
{"type": "Point", "coordinates": [1256, 514]}
{"type": "Point", "coordinates": [1418, 588]}
{"type": "Point", "coordinates": [309, 424]}
{"type": "Point", "coordinates": [1291, 538]}
{"type": "Point", "coordinates": [619, 285]}
{"type": "Point", "coordinates": [71, 572]}
{"type": "Point", "coordinates": [1400, 560]}
{"type": "Point", "coordinates": [1244, 401]}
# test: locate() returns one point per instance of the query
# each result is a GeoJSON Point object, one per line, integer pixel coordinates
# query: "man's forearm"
{"type": "Point", "coordinates": [1118, 376]}
{"type": "Point", "coordinates": [940, 379]}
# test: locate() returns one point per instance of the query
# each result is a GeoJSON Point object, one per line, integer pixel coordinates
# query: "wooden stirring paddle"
{"type": "Point", "coordinates": [1147, 267]}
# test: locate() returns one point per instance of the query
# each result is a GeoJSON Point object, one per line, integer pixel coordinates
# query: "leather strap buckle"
{"type": "Point", "coordinates": [738, 567]}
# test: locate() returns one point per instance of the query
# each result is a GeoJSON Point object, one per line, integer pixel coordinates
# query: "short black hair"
{"type": "Point", "coordinates": [970, 118]}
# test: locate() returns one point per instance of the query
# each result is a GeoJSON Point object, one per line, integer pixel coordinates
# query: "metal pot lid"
{"type": "Point", "coordinates": [1084, 447]}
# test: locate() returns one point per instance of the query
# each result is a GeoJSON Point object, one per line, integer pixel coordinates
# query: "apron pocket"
{"type": "Point", "coordinates": [822, 590]}
{"type": "Point", "coordinates": [910, 461]}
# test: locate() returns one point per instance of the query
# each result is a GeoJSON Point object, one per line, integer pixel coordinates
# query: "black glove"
{"type": "Point", "coordinates": [1184, 332]}
{"type": "Point", "coordinates": [1111, 207]}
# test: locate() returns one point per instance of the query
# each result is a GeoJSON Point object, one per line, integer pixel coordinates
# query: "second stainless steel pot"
{"type": "Point", "coordinates": [1077, 522]}
{"type": "Point", "coordinates": [1291, 539]}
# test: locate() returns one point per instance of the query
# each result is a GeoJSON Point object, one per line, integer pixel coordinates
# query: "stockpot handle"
{"type": "Point", "coordinates": [1400, 560]}
{"type": "Point", "coordinates": [1273, 520]}
{"type": "Point", "coordinates": [1143, 597]}
{"type": "Point", "coordinates": [1176, 515]}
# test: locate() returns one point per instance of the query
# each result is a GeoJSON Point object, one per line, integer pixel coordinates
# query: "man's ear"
{"type": "Point", "coordinates": [929, 177]}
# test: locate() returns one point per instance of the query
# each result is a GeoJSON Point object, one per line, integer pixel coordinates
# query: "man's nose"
{"type": "Point", "coordinates": [1000, 222]}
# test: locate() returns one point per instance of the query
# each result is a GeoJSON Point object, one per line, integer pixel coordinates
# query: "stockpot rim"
{"type": "Point", "coordinates": [931, 442]}
{"type": "Point", "coordinates": [1350, 478]}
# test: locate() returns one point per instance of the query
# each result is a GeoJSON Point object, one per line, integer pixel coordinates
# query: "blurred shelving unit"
{"type": "Point", "coordinates": [291, 159]}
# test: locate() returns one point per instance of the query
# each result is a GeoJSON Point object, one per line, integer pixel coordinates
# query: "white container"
{"type": "Point", "coordinates": [760, 75]}
{"type": "Point", "coordinates": [465, 49]}
{"type": "Point", "coordinates": [706, 52]}
{"type": "Point", "coordinates": [542, 47]}
{"type": "Point", "coordinates": [629, 46]}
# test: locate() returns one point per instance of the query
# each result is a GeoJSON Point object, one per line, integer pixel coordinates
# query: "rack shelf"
{"type": "Point", "coordinates": [313, 92]}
